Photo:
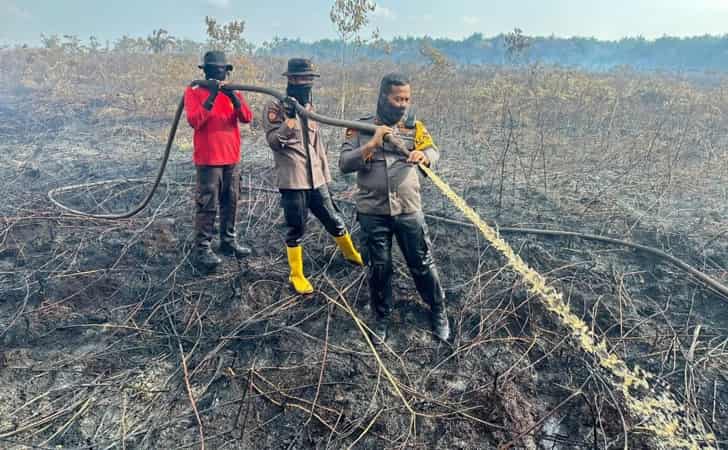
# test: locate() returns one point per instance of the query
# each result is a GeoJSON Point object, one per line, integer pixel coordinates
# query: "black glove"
{"type": "Point", "coordinates": [233, 98]}
{"type": "Point", "coordinates": [214, 87]}
{"type": "Point", "coordinates": [289, 107]}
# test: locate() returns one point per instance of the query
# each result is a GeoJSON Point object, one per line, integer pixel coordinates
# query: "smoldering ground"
{"type": "Point", "coordinates": [110, 338]}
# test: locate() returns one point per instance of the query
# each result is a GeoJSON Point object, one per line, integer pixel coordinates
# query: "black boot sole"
{"type": "Point", "coordinates": [227, 251]}
{"type": "Point", "coordinates": [378, 336]}
{"type": "Point", "coordinates": [206, 269]}
{"type": "Point", "coordinates": [205, 265]}
{"type": "Point", "coordinates": [439, 337]}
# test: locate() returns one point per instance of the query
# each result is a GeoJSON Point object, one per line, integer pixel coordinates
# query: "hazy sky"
{"type": "Point", "coordinates": [24, 20]}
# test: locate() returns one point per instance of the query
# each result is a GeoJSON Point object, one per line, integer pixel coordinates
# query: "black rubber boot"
{"type": "Point", "coordinates": [430, 289]}
{"type": "Point", "coordinates": [440, 324]}
{"type": "Point", "coordinates": [232, 248]}
{"type": "Point", "coordinates": [380, 294]}
{"type": "Point", "coordinates": [205, 257]}
{"type": "Point", "coordinates": [379, 327]}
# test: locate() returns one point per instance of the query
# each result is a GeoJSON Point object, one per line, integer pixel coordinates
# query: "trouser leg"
{"type": "Point", "coordinates": [325, 210]}
{"type": "Point", "coordinates": [413, 240]}
{"type": "Point", "coordinates": [209, 179]}
{"type": "Point", "coordinates": [295, 211]}
{"type": "Point", "coordinates": [229, 195]}
{"type": "Point", "coordinates": [322, 206]}
{"type": "Point", "coordinates": [377, 237]}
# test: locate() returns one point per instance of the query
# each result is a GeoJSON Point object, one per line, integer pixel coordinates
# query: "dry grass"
{"type": "Point", "coordinates": [107, 332]}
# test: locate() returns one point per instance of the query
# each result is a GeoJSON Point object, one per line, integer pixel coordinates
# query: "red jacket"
{"type": "Point", "coordinates": [217, 135]}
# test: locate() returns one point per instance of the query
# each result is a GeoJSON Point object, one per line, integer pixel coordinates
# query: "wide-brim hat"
{"type": "Point", "coordinates": [300, 67]}
{"type": "Point", "coordinates": [215, 58]}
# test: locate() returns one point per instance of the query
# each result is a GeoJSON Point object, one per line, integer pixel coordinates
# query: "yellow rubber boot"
{"type": "Point", "coordinates": [348, 250]}
{"type": "Point", "coordinates": [295, 261]}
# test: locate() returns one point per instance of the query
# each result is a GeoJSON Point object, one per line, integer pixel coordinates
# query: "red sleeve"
{"type": "Point", "coordinates": [245, 115]}
{"type": "Point", "coordinates": [196, 114]}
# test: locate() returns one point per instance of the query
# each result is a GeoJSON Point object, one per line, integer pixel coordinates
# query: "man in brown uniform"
{"type": "Point", "coordinates": [302, 169]}
{"type": "Point", "coordinates": [388, 202]}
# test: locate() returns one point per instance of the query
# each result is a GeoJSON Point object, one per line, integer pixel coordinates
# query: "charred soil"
{"type": "Point", "coordinates": [110, 338]}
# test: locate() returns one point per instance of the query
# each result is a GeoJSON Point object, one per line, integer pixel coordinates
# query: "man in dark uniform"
{"type": "Point", "coordinates": [216, 155]}
{"type": "Point", "coordinates": [388, 202]}
{"type": "Point", "coordinates": [302, 169]}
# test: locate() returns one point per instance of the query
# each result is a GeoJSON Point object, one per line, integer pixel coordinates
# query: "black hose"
{"type": "Point", "coordinates": [705, 279]}
{"type": "Point", "coordinates": [361, 126]}
{"type": "Point", "coordinates": [143, 204]}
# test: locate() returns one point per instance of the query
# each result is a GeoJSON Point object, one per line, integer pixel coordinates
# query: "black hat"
{"type": "Point", "coordinates": [300, 66]}
{"type": "Point", "coordinates": [215, 58]}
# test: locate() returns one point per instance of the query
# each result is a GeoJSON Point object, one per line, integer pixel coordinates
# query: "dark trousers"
{"type": "Point", "coordinates": [297, 202]}
{"type": "Point", "coordinates": [216, 185]}
{"type": "Point", "coordinates": [412, 238]}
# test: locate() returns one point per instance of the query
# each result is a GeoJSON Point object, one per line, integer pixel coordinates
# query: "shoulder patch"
{"type": "Point", "coordinates": [274, 114]}
{"type": "Point", "coordinates": [350, 133]}
{"type": "Point", "coordinates": [423, 139]}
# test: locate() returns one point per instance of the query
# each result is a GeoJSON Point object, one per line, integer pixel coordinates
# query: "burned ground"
{"type": "Point", "coordinates": [111, 339]}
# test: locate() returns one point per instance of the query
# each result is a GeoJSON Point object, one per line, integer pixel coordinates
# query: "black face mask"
{"type": "Point", "coordinates": [388, 113]}
{"type": "Point", "coordinates": [301, 92]}
{"type": "Point", "coordinates": [218, 73]}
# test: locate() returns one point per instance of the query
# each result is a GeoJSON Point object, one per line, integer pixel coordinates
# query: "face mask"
{"type": "Point", "coordinates": [388, 113]}
{"type": "Point", "coordinates": [215, 73]}
{"type": "Point", "coordinates": [301, 92]}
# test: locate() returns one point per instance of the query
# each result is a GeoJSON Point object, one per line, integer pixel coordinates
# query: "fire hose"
{"type": "Point", "coordinates": [303, 112]}
{"type": "Point", "coordinates": [703, 278]}
{"type": "Point", "coordinates": [661, 415]}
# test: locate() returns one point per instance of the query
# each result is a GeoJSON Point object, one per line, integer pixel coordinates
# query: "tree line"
{"type": "Point", "coordinates": [699, 53]}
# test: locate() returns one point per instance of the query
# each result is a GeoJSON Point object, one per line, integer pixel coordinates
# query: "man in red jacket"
{"type": "Point", "coordinates": [216, 156]}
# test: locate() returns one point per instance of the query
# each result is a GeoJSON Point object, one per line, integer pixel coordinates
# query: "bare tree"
{"type": "Point", "coordinates": [50, 41]}
{"type": "Point", "coordinates": [160, 40]}
{"type": "Point", "coordinates": [128, 44]}
{"type": "Point", "coordinates": [517, 44]}
{"type": "Point", "coordinates": [94, 45]}
{"type": "Point", "coordinates": [68, 43]}
{"type": "Point", "coordinates": [440, 68]}
{"type": "Point", "coordinates": [227, 37]}
{"type": "Point", "coordinates": [349, 17]}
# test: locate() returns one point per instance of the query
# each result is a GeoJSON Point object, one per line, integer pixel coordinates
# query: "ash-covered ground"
{"type": "Point", "coordinates": [109, 338]}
